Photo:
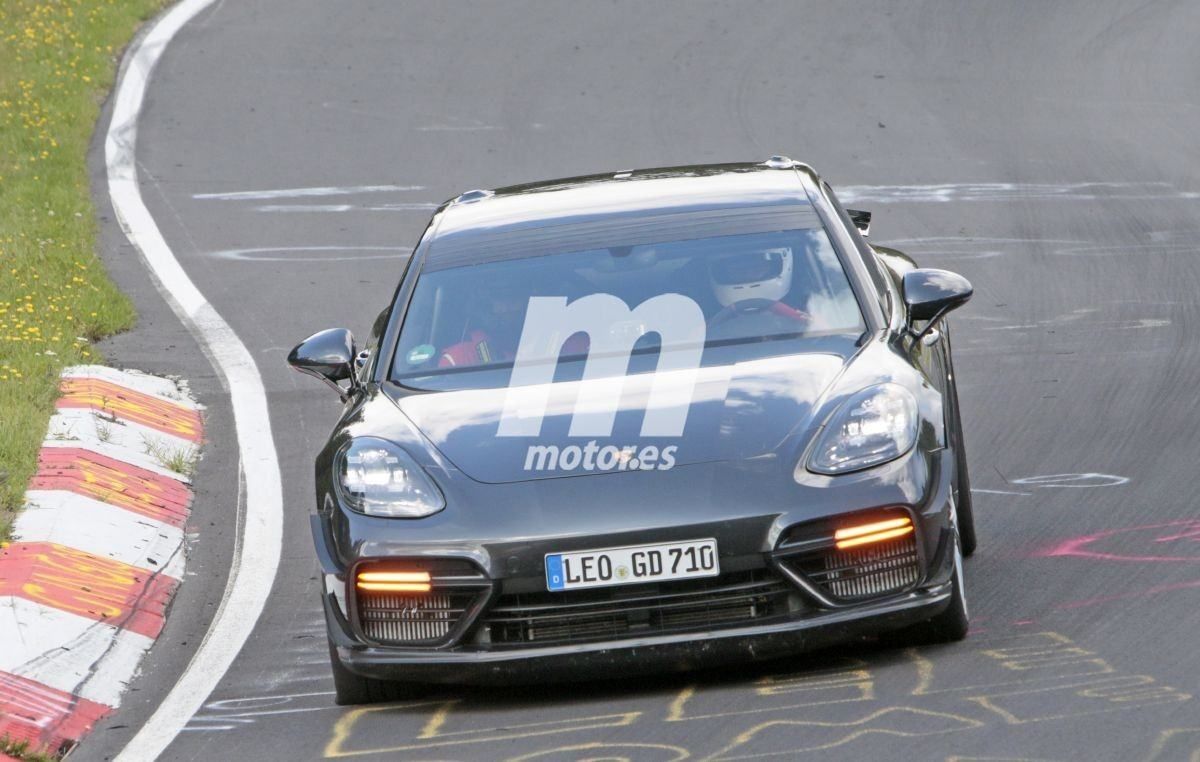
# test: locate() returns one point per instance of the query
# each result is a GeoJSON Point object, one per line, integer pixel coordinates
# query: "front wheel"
{"type": "Point", "coordinates": [951, 624]}
{"type": "Point", "coordinates": [962, 482]}
{"type": "Point", "coordinates": [351, 688]}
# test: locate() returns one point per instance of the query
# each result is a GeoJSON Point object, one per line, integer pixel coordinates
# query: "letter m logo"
{"type": "Point", "coordinates": [612, 329]}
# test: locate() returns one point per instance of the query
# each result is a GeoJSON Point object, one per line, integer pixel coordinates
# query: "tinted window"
{"type": "Point", "coordinates": [760, 293]}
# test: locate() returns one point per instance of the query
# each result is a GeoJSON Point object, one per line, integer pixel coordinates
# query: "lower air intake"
{"type": "Point", "coordinates": [398, 618]}
{"type": "Point", "coordinates": [857, 557]}
{"type": "Point", "coordinates": [422, 602]}
{"type": "Point", "coordinates": [871, 571]}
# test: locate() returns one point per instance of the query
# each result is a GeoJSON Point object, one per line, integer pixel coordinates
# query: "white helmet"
{"type": "Point", "coordinates": [753, 274]}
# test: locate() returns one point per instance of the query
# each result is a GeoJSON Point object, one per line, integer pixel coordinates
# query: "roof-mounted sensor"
{"type": "Point", "coordinates": [474, 195]}
{"type": "Point", "coordinates": [780, 162]}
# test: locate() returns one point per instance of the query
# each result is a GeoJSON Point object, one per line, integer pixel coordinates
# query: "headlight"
{"type": "Point", "coordinates": [380, 479]}
{"type": "Point", "coordinates": [874, 426]}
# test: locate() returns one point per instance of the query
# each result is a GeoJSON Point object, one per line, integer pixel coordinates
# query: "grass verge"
{"type": "Point", "coordinates": [23, 751]}
{"type": "Point", "coordinates": [57, 61]}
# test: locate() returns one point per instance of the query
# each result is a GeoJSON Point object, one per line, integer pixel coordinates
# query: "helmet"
{"type": "Point", "coordinates": [752, 274]}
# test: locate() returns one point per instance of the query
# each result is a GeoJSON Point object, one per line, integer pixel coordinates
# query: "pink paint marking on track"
{"type": "Point", "coordinates": [1155, 590]}
{"type": "Point", "coordinates": [1175, 531]}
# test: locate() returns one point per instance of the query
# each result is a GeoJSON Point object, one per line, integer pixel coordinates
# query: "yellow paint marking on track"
{"type": "Point", "coordinates": [675, 711]}
{"type": "Point", "coordinates": [772, 685]}
{"type": "Point", "coordinates": [924, 671]}
{"type": "Point", "coordinates": [854, 726]}
{"type": "Point", "coordinates": [820, 688]}
{"type": "Point", "coordinates": [1110, 694]}
{"type": "Point", "coordinates": [1072, 663]}
{"type": "Point", "coordinates": [680, 752]}
{"type": "Point", "coordinates": [345, 726]}
{"type": "Point", "coordinates": [437, 720]}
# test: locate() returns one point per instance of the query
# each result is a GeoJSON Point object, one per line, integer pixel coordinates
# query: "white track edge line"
{"type": "Point", "coordinates": [256, 555]}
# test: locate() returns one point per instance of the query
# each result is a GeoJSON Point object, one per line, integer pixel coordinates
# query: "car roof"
{"type": "Point", "coordinates": [778, 181]}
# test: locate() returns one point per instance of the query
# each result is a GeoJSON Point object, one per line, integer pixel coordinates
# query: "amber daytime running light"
{"type": "Point", "coordinates": [394, 582]}
{"type": "Point", "coordinates": [865, 534]}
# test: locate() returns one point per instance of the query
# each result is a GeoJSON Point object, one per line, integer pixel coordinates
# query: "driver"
{"type": "Point", "coordinates": [750, 286]}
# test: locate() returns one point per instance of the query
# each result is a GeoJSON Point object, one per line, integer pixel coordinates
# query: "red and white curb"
{"type": "Point", "coordinates": [96, 554]}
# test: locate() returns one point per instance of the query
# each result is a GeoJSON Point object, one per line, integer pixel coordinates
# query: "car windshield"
{"type": "Point", "coordinates": [766, 284]}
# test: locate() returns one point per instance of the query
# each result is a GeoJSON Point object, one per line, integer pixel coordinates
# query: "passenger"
{"type": "Point", "coordinates": [496, 331]}
{"type": "Point", "coordinates": [496, 334]}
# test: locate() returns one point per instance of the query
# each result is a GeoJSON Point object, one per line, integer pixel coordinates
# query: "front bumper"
{"type": "Point", "coordinates": [819, 624]}
{"type": "Point", "coordinates": [650, 654]}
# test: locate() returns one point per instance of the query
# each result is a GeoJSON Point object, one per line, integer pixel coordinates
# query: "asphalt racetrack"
{"type": "Point", "coordinates": [291, 150]}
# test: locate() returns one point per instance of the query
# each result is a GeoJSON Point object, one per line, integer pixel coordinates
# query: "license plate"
{"type": "Point", "coordinates": [632, 565]}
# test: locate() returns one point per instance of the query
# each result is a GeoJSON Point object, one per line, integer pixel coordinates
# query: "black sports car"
{"type": "Point", "coordinates": [651, 419]}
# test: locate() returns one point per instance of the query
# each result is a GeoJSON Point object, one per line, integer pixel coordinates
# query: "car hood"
{"type": "Point", "coordinates": [737, 411]}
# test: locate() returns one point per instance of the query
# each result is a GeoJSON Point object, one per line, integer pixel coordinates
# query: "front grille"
{"type": "Point", "coordinates": [852, 574]}
{"type": "Point", "coordinates": [457, 590]}
{"type": "Point", "coordinates": [663, 608]}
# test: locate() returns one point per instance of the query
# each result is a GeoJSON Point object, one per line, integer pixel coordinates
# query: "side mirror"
{"type": "Point", "coordinates": [931, 293]}
{"type": "Point", "coordinates": [327, 355]}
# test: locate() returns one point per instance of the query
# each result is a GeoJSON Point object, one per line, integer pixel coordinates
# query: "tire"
{"type": "Point", "coordinates": [952, 623]}
{"type": "Point", "coordinates": [351, 688]}
{"type": "Point", "coordinates": [962, 482]}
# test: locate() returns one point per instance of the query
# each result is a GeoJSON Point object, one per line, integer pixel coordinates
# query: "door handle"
{"type": "Point", "coordinates": [931, 338]}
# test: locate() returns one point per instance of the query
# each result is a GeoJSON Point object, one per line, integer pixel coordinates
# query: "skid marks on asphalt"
{"type": "Point", "coordinates": [1052, 344]}
{"type": "Point", "coordinates": [324, 199]}
{"type": "Point", "coordinates": [978, 247]}
{"type": "Point", "coordinates": [940, 193]}
{"type": "Point", "coordinates": [1175, 743]}
{"type": "Point", "coordinates": [322, 254]}
{"type": "Point", "coordinates": [230, 714]}
{"type": "Point", "coordinates": [994, 317]}
{"type": "Point", "coordinates": [298, 682]}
